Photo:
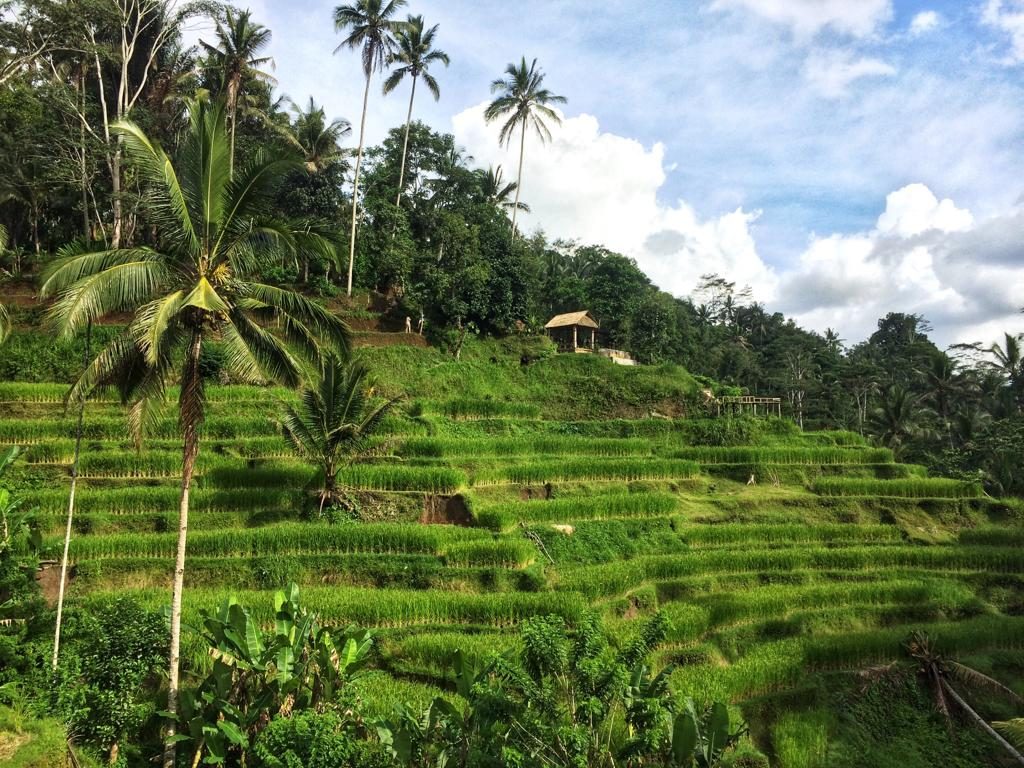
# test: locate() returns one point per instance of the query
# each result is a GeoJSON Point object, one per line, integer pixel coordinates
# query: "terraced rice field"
{"type": "Point", "coordinates": [471, 517]}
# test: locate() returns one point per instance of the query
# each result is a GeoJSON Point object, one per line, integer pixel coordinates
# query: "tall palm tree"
{"type": "Point", "coordinates": [497, 192]}
{"type": "Point", "coordinates": [333, 419]}
{"type": "Point", "coordinates": [239, 43]}
{"type": "Point", "coordinates": [216, 235]}
{"type": "Point", "coordinates": [1009, 362]}
{"type": "Point", "coordinates": [525, 102]}
{"type": "Point", "coordinates": [370, 28]}
{"type": "Point", "coordinates": [896, 417]}
{"type": "Point", "coordinates": [5, 319]}
{"type": "Point", "coordinates": [414, 54]}
{"type": "Point", "coordinates": [317, 139]}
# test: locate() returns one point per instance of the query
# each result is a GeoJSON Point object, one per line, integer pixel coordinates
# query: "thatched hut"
{"type": "Point", "coordinates": [573, 331]}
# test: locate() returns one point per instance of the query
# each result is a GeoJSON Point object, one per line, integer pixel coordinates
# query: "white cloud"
{"type": "Point", "coordinates": [603, 188]}
{"type": "Point", "coordinates": [806, 18]}
{"type": "Point", "coordinates": [924, 22]}
{"type": "Point", "coordinates": [831, 72]}
{"type": "Point", "coordinates": [1008, 16]}
{"type": "Point", "coordinates": [925, 256]}
{"type": "Point", "coordinates": [915, 209]}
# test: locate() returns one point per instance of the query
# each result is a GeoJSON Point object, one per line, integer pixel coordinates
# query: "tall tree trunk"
{"type": "Point", "coordinates": [355, 186]}
{"type": "Point", "coordinates": [980, 722]}
{"type": "Point", "coordinates": [71, 504]}
{"type": "Point", "coordinates": [405, 143]}
{"type": "Point", "coordinates": [231, 160]}
{"type": "Point", "coordinates": [519, 178]}
{"type": "Point", "coordinates": [86, 230]}
{"type": "Point", "coordinates": [115, 189]}
{"type": "Point", "coordinates": [190, 407]}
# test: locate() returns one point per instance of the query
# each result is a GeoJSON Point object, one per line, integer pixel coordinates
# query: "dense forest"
{"type": "Point", "coordinates": [436, 234]}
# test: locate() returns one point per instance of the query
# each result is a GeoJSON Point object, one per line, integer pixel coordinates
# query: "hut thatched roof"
{"type": "Point", "coordinates": [582, 318]}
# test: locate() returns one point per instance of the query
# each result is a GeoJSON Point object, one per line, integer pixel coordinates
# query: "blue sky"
{"type": "Point", "coordinates": [761, 139]}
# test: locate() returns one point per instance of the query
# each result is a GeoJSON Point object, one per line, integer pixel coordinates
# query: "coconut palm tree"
{"type": "Point", "coordinates": [371, 29]}
{"type": "Point", "coordinates": [5, 318]}
{"type": "Point", "coordinates": [414, 54]}
{"type": "Point", "coordinates": [896, 418]}
{"type": "Point", "coordinates": [1009, 363]}
{"type": "Point", "coordinates": [497, 192]}
{"type": "Point", "coordinates": [200, 282]}
{"type": "Point", "coordinates": [317, 139]}
{"type": "Point", "coordinates": [525, 102]}
{"type": "Point", "coordinates": [239, 43]}
{"type": "Point", "coordinates": [333, 419]}
{"type": "Point", "coordinates": [940, 673]}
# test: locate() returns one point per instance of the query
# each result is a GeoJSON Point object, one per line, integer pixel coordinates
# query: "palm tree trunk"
{"type": "Point", "coordinates": [115, 190]}
{"type": "Point", "coordinates": [355, 186]}
{"type": "Point", "coordinates": [71, 505]}
{"type": "Point", "coordinates": [980, 722]}
{"type": "Point", "coordinates": [405, 143]}
{"type": "Point", "coordinates": [191, 390]}
{"type": "Point", "coordinates": [519, 178]}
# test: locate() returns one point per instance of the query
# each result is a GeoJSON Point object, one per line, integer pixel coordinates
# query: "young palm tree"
{"type": "Point", "coordinates": [371, 29]}
{"type": "Point", "coordinates": [525, 102]}
{"type": "Point", "coordinates": [896, 418]}
{"type": "Point", "coordinates": [414, 55]}
{"type": "Point", "coordinates": [236, 55]}
{"type": "Point", "coordinates": [939, 672]}
{"type": "Point", "coordinates": [317, 139]}
{"type": "Point", "coordinates": [497, 192]}
{"type": "Point", "coordinates": [333, 420]}
{"type": "Point", "coordinates": [216, 235]}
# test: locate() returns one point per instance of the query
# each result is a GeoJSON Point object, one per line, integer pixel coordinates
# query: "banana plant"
{"type": "Point", "coordinates": [700, 737]}
{"type": "Point", "coordinates": [257, 674]}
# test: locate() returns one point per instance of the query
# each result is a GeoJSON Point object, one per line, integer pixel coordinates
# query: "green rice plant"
{"type": "Point", "coordinates": [525, 445]}
{"type": "Point", "coordinates": [592, 469]}
{"type": "Point", "coordinates": [993, 536]}
{"type": "Point", "coordinates": [502, 553]}
{"type": "Point", "coordinates": [768, 534]}
{"type": "Point", "coordinates": [599, 507]}
{"type": "Point", "coordinates": [619, 577]}
{"type": "Point", "coordinates": [342, 606]}
{"type": "Point", "coordinates": [915, 488]}
{"type": "Point", "coordinates": [776, 600]}
{"type": "Point", "coordinates": [396, 477]}
{"type": "Point", "coordinates": [689, 622]}
{"type": "Point", "coordinates": [467, 408]}
{"type": "Point", "coordinates": [380, 692]}
{"type": "Point", "coordinates": [801, 738]}
{"type": "Point", "coordinates": [282, 539]}
{"type": "Point", "coordinates": [163, 498]}
{"type": "Point", "coordinates": [839, 437]}
{"type": "Point", "coordinates": [779, 455]}
{"type": "Point", "coordinates": [432, 654]}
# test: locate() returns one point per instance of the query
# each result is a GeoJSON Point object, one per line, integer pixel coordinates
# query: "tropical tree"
{"type": "Point", "coordinates": [317, 139]}
{"type": "Point", "coordinates": [524, 101]}
{"type": "Point", "coordinates": [237, 55]}
{"type": "Point", "coordinates": [497, 193]}
{"type": "Point", "coordinates": [414, 54]}
{"type": "Point", "coordinates": [940, 673]}
{"type": "Point", "coordinates": [216, 235]}
{"type": "Point", "coordinates": [1008, 361]}
{"type": "Point", "coordinates": [333, 419]}
{"type": "Point", "coordinates": [370, 28]}
{"type": "Point", "coordinates": [896, 417]}
{"type": "Point", "coordinates": [5, 318]}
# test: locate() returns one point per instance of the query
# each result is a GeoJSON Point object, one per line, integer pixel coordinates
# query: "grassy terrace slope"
{"type": "Point", "coordinates": [568, 500]}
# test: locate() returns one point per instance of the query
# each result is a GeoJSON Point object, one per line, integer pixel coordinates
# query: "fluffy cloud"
{"type": "Point", "coordinates": [808, 17]}
{"type": "Point", "coordinates": [925, 255]}
{"type": "Point", "coordinates": [603, 188]}
{"type": "Point", "coordinates": [915, 209]}
{"type": "Point", "coordinates": [924, 22]}
{"type": "Point", "coordinates": [1008, 16]}
{"type": "Point", "coordinates": [831, 72]}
